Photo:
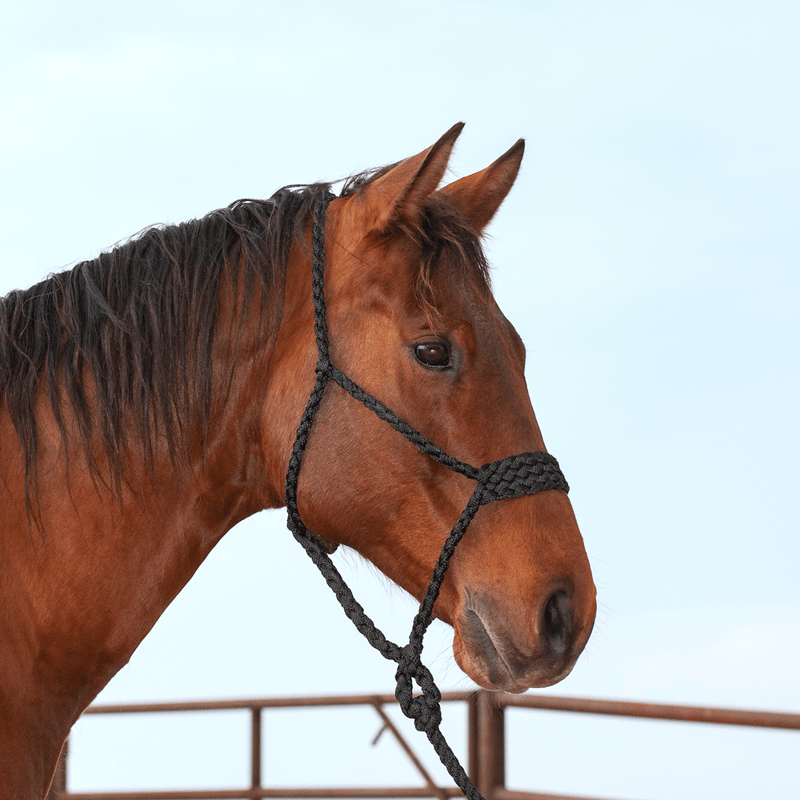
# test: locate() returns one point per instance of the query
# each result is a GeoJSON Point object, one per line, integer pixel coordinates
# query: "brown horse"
{"type": "Point", "coordinates": [150, 399]}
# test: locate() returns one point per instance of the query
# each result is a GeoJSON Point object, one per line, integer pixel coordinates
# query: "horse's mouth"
{"type": "Point", "coordinates": [496, 656]}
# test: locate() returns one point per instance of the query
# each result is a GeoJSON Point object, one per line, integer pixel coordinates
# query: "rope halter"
{"type": "Point", "coordinates": [513, 476]}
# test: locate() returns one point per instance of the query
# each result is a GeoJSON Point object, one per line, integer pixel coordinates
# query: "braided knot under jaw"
{"type": "Point", "coordinates": [425, 709]}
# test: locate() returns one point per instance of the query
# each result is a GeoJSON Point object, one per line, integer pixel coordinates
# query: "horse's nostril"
{"type": "Point", "coordinates": [557, 620]}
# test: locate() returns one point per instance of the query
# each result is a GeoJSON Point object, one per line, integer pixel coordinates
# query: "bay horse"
{"type": "Point", "coordinates": [150, 399]}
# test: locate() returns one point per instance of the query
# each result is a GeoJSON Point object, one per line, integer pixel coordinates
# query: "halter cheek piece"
{"type": "Point", "coordinates": [510, 477]}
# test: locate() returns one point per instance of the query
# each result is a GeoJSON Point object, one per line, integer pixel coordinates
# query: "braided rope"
{"type": "Point", "coordinates": [514, 476]}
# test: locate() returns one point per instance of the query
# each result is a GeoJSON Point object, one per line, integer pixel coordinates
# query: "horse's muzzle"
{"type": "Point", "coordinates": [502, 650]}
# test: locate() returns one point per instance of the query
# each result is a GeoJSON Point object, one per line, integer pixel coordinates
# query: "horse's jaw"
{"type": "Point", "coordinates": [502, 653]}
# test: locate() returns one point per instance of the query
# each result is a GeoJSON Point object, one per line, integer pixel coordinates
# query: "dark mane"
{"type": "Point", "coordinates": [140, 320]}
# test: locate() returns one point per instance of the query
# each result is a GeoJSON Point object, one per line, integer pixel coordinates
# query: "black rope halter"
{"type": "Point", "coordinates": [510, 477]}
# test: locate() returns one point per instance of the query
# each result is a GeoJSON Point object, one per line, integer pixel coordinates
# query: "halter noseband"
{"type": "Point", "coordinates": [513, 476]}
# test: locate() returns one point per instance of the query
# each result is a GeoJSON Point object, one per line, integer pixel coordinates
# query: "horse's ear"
{"type": "Point", "coordinates": [479, 196]}
{"type": "Point", "coordinates": [400, 194]}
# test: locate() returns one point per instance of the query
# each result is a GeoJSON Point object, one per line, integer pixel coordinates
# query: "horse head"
{"type": "Point", "coordinates": [413, 321]}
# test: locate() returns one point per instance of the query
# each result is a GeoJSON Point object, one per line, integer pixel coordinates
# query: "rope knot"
{"type": "Point", "coordinates": [425, 709]}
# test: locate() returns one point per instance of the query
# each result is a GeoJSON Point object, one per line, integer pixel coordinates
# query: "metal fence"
{"type": "Point", "coordinates": [485, 742]}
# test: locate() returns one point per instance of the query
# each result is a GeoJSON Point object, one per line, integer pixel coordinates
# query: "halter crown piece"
{"type": "Point", "coordinates": [510, 477]}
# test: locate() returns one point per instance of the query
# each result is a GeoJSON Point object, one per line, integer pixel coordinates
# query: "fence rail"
{"type": "Point", "coordinates": [485, 742]}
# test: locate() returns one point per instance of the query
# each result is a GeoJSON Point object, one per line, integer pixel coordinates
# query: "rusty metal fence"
{"type": "Point", "coordinates": [485, 742]}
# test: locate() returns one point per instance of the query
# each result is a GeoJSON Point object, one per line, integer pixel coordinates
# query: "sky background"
{"type": "Point", "coordinates": [649, 256]}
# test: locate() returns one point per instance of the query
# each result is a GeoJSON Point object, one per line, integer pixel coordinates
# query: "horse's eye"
{"type": "Point", "coordinates": [433, 354]}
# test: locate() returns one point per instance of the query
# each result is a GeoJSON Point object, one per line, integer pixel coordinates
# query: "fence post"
{"type": "Point", "coordinates": [255, 748]}
{"type": "Point", "coordinates": [486, 742]}
{"type": "Point", "coordinates": [58, 788]}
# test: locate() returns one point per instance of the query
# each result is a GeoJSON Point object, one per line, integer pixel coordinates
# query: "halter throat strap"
{"type": "Point", "coordinates": [514, 476]}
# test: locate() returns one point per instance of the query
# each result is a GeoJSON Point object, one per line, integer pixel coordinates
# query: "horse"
{"type": "Point", "coordinates": [149, 402]}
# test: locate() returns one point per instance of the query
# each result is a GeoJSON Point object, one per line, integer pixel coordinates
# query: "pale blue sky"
{"type": "Point", "coordinates": [649, 256]}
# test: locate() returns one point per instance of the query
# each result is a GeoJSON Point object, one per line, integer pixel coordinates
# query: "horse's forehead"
{"type": "Point", "coordinates": [449, 291]}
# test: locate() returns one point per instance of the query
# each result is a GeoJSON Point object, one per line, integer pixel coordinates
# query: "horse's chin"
{"type": "Point", "coordinates": [495, 661]}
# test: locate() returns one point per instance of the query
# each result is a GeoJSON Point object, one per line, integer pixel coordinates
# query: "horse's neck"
{"type": "Point", "coordinates": [81, 591]}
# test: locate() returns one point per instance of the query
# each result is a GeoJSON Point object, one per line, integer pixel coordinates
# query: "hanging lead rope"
{"type": "Point", "coordinates": [514, 476]}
